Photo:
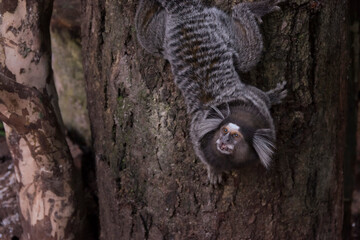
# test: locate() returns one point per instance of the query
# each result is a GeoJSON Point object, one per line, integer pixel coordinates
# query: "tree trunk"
{"type": "Point", "coordinates": [67, 64]}
{"type": "Point", "coordinates": [151, 185]}
{"type": "Point", "coordinates": [49, 188]}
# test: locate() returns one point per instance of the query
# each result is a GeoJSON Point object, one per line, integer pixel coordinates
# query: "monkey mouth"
{"type": "Point", "coordinates": [224, 148]}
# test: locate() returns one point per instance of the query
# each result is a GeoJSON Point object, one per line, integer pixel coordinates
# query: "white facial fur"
{"type": "Point", "coordinates": [233, 127]}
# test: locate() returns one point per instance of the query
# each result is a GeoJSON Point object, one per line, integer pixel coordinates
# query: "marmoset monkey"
{"type": "Point", "coordinates": [231, 122]}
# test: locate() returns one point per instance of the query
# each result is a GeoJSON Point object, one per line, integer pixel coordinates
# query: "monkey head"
{"type": "Point", "coordinates": [241, 135]}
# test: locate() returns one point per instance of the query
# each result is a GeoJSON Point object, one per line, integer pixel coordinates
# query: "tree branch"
{"type": "Point", "coordinates": [18, 102]}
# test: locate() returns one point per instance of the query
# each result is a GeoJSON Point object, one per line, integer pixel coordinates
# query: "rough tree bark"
{"type": "Point", "coordinates": [150, 183]}
{"type": "Point", "coordinates": [49, 188]}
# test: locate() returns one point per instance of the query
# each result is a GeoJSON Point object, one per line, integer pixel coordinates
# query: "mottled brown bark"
{"type": "Point", "coordinates": [49, 189]}
{"type": "Point", "coordinates": [49, 205]}
{"type": "Point", "coordinates": [151, 186]}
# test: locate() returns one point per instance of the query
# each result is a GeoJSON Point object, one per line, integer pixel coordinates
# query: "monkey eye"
{"type": "Point", "coordinates": [236, 135]}
{"type": "Point", "coordinates": [225, 130]}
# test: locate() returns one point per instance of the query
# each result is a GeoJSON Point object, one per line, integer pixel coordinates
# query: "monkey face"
{"type": "Point", "coordinates": [229, 137]}
{"type": "Point", "coordinates": [242, 137]}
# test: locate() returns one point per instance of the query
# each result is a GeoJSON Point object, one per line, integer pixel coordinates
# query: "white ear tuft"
{"type": "Point", "coordinates": [218, 111]}
{"type": "Point", "coordinates": [264, 145]}
{"type": "Point", "coordinates": [207, 125]}
{"type": "Point", "coordinates": [211, 121]}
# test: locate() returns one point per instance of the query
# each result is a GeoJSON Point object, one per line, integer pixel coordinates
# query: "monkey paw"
{"type": "Point", "coordinates": [277, 94]}
{"type": "Point", "coordinates": [215, 177]}
{"type": "Point", "coordinates": [262, 8]}
{"type": "Point", "coordinates": [274, 5]}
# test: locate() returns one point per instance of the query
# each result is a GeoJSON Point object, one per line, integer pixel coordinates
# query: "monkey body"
{"type": "Point", "coordinates": [199, 44]}
{"type": "Point", "coordinates": [207, 49]}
